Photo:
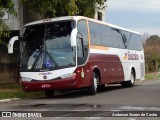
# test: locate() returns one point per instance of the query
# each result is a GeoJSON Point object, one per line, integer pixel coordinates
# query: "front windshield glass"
{"type": "Point", "coordinates": [47, 46]}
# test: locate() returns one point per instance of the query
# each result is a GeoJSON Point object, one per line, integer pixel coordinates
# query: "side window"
{"type": "Point", "coordinates": [134, 41]}
{"type": "Point", "coordinates": [112, 37]}
{"type": "Point", "coordinates": [132, 44]}
{"type": "Point", "coordinates": [127, 36]}
{"type": "Point", "coordinates": [82, 42]}
{"type": "Point", "coordinates": [80, 51]}
{"type": "Point", "coordinates": [138, 42]}
{"type": "Point", "coordinates": [95, 33]}
{"type": "Point", "coordinates": [124, 41]}
{"type": "Point", "coordinates": [106, 35]}
{"type": "Point", "coordinates": [118, 38]}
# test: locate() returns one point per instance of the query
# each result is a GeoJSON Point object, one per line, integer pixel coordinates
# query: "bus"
{"type": "Point", "coordinates": [73, 52]}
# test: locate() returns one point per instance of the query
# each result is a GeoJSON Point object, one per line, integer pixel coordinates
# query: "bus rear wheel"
{"type": "Point", "coordinates": [93, 88]}
{"type": "Point", "coordinates": [49, 93]}
{"type": "Point", "coordinates": [129, 83]}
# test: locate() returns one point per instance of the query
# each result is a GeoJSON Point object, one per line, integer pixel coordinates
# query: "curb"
{"type": "Point", "coordinates": [8, 100]}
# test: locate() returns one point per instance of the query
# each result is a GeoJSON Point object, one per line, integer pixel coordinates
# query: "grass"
{"type": "Point", "coordinates": [152, 76]}
{"type": "Point", "coordinates": [15, 91]}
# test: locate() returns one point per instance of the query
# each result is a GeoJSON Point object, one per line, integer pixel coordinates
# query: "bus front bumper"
{"type": "Point", "coordinates": [62, 84]}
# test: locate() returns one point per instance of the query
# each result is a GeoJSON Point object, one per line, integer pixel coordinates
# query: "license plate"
{"type": "Point", "coordinates": [45, 86]}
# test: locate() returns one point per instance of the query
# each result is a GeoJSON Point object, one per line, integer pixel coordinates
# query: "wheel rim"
{"type": "Point", "coordinates": [132, 78]}
{"type": "Point", "coordinates": [95, 82]}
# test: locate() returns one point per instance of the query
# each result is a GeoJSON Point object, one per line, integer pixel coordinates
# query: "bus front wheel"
{"type": "Point", "coordinates": [93, 88]}
{"type": "Point", "coordinates": [49, 93]}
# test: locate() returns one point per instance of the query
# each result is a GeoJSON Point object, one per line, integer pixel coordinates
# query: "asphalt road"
{"type": "Point", "coordinates": [143, 97]}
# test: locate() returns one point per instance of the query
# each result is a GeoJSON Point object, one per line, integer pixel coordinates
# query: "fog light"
{"type": "Point", "coordinates": [24, 79]}
{"type": "Point", "coordinates": [70, 75]}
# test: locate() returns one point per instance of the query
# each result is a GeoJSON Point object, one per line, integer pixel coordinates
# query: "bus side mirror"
{"type": "Point", "coordinates": [73, 37]}
{"type": "Point", "coordinates": [11, 43]}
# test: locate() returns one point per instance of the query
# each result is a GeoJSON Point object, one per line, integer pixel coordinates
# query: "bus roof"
{"type": "Point", "coordinates": [78, 18]}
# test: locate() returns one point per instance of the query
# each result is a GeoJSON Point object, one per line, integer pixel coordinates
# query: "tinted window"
{"type": "Point", "coordinates": [82, 42]}
{"type": "Point", "coordinates": [113, 37]}
{"type": "Point", "coordinates": [95, 35]}
{"type": "Point", "coordinates": [126, 36]}
{"type": "Point", "coordinates": [82, 29]}
{"type": "Point", "coordinates": [134, 41]}
{"type": "Point", "coordinates": [106, 35]}
{"type": "Point", "coordinates": [118, 38]}
{"type": "Point", "coordinates": [48, 46]}
{"type": "Point", "coordinates": [137, 42]}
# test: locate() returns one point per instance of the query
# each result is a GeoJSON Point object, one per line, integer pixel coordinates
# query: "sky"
{"type": "Point", "coordinates": [139, 15]}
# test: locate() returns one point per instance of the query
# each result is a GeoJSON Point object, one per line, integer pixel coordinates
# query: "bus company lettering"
{"type": "Point", "coordinates": [45, 73]}
{"type": "Point", "coordinates": [133, 57]}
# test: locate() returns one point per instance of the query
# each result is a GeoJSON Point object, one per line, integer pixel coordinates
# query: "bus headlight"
{"type": "Point", "coordinates": [24, 79]}
{"type": "Point", "coordinates": [70, 75]}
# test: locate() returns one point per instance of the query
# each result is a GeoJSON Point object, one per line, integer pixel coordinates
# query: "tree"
{"type": "Point", "coordinates": [4, 30]}
{"type": "Point", "coordinates": [87, 7]}
{"type": "Point", "coordinates": [56, 8]}
{"type": "Point", "coordinates": [152, 53]}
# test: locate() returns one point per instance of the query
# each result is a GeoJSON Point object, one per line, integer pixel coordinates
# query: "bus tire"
{"type": "Point", "coordinates": [102, 86]}
{"type": "Point", "coordinates": [93, 88]}
{"type": "Point", "coordinates": [49, 93]}
{"type": "Point", "coordinates": [129, 83]}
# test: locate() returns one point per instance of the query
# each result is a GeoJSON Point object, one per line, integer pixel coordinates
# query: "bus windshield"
{"type": "Point", "coordinates": [48, 46]}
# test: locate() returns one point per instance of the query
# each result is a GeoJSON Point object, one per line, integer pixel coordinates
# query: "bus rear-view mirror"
{"type": "Point", "coordinates": [73, 37]}
{"type": "Point", "coordinates": [11, 43]}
